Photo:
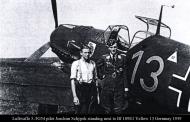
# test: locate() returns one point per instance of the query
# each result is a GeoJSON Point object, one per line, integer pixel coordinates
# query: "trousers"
{"type": "Point", "coordinates": [87, 95]}
{"type": "Point", "coordinates": [112, 101]}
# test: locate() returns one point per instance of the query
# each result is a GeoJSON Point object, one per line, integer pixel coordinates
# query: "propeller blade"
{"type": "Point", "coordinates": [38, 53]}
{"type": "Point", "coordinates": [54, 8]}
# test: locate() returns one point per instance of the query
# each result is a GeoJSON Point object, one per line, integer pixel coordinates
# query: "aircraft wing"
{"type": "Point", "coordinates": [26, 84]}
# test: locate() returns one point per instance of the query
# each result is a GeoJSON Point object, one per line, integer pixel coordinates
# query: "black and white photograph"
{"type": "Point", "coordinates": [94, 59]}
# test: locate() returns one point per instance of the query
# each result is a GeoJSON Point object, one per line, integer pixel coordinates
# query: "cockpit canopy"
{"type": "Point", "coordinates": [151, 26]}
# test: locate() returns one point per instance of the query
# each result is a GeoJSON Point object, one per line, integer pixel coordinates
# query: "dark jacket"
{"type": "Point", "coordinates": [112, 71]}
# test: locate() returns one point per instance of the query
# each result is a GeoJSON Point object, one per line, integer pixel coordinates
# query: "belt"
{"type": "Point", "coordinates": [111, 74]}
{"type": "Point", "coordinates": [82, 82]}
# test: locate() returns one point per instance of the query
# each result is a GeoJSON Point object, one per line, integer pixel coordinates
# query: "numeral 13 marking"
{"type": "Point", "coordinates": [154, 75]}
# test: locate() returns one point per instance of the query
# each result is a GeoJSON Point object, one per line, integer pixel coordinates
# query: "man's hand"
{"type": "Point", "coordinates": [98, 86]}
{"type": "Point", "coordinates": [98, 98]}
{"type": "Point", "coordinates": [126, 92]}
{"type": "Point", "coordinates": [76, 101]}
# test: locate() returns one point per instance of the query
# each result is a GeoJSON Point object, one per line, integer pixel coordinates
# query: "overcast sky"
{"type": "Point", "coordinates": [25, 25]}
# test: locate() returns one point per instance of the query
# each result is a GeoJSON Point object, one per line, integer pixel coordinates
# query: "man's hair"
{"type": "Point", "coordinates": [85, 47]}
{"type": "Point", "coordinates": [111, 42]}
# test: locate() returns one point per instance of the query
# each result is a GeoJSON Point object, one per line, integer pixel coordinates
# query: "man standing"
{"type": "Point", "coordinates": [83, 82]}
{"type": "Point", "coordinates": [112, 73]}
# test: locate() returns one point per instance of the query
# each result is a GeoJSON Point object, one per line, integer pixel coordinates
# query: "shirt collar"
{"type": "Point", "coordinates": [82, 59]}
{"type": "Point", "coordinates": [111, 55]}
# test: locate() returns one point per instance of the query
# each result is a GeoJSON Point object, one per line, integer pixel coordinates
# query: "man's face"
{"type": "Point", "coordinates": [85, 53]}
{"type": "Point", "coordinates": [113, 48]}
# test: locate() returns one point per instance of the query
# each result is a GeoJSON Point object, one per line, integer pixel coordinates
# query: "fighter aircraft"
{"type": "Point", "coordinates": [157, 72]}
{"type": "Point", "coordinates": [158, 67]}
